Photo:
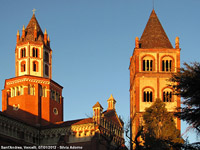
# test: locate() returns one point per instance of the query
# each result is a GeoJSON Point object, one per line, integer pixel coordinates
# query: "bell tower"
{"type": "Point", "coordinates": [33, 55]}
{"type": "Point", "coordinates": [151, 65]}
{"type": "Point", "coordinates": [32, 96]}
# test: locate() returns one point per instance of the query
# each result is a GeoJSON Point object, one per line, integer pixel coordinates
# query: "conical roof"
{"type": "Point", "coordinates": [33, 23]}
{"type": "Point", "coordinates": [154, 35]}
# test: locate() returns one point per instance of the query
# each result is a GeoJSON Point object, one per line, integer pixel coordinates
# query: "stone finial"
{"type": "Point", "coordinates": [18, 36]}
{"type": "Point", "coordinates": [177, 42]}
{"type": "Point", "coordinates": [136, 42]}
{"type": "Point", "coordinates": [23, 32]}
{"type": "Point", "coordinates": [45, 36]}
{"type": "Point", "coordinates": [45, 32]}
{"type": "Point", "coordinates": [23, 28]}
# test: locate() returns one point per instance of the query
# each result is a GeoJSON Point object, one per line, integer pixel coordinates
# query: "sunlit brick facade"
{"type": "Point", "coordinates": [32, 95]}
{"type": "Point", "coordinates": [151, 65]}
{"type": "Point", "coordinates": [32, 104]}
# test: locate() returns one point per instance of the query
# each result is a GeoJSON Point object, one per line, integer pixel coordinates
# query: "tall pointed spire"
{"type": "Point", "coordinates": [154, 35]}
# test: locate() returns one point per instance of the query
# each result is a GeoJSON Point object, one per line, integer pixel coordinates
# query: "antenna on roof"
{"type": "Point", "coordinates": [34, 11]}
{"type": "Point", "coordinates": [153, 3]}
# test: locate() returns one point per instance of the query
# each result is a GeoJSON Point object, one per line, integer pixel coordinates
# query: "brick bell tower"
{"type": "Point", "coordinates": [151, 65]}
{"type": "Point", "coordinates": [32, 96]}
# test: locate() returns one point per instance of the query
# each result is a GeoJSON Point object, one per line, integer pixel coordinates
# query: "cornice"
{"type": "Point", "coordinates": [27, 80]}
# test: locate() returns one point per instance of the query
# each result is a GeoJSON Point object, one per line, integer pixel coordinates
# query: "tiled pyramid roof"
{"type": "Point", "coordinates": [154, 35]}
{"type": "Point", "coordinates": [30, 30]}
{"type": "Point", "coordinates": [97, 105]}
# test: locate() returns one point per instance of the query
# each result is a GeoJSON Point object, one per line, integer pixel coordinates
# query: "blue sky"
{"type": "Point", "coordinates": [92, 42]}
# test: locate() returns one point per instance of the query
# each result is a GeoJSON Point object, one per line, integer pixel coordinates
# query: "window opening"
{"type": "Point", "coordinates": [167, 65]}
{"type": "Point", "coordinates": [167, 96]}
{"type": "Point", "coordinates": [46, 57]}
{"type": "Point", "coordinates": [46, 70]}
{"type": "Point", "coordinates": [23, 67]}
{"type": "Point", "coordinates": [35, 52]}
{"type": "Point", "coordinates": [148, 96]}
{"type": "Point", "coordinates": [35, 66]}
{"type": "Point", "coordinates": [147, 65]}
{"type": "Point", "coordinates": [23, 52]}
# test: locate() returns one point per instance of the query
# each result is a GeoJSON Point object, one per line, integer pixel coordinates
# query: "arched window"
{"type": "Point", "coordinates": [52, 94]}
{"type": "Point", "coordinates": [147, 63]}
{"type": "Point", "coordinates": [23, 52]}
{"type": "Point", "coordinates": [148, 95]}
{"type": "Point", "coordinates": [167, 64]}
{"type": "Point", "coordinates": [46, 56]}
{"type": "Point", "coordinates": [46, 70]}
{"type": "Point", "coordinates": [23, 66]}
{"type": "Point", "coordinates": [44, 91]}
{"type": "Point", "coordinates": [31, 90]}
{"type": "Point", "coordinates": [21, 90]}
{"type": "Point", "coordinates": [12, 92]}
{"type": "Point", "coordinates": [35, 52]}
{"type": "Point", "coordinates": [57, 97]}
{"type": "Point", "coordinates": [167, 95]}
{"type": "Point", "coordinates": [35, 66]}
{"type": "Point", "coordinates": [17, 91]}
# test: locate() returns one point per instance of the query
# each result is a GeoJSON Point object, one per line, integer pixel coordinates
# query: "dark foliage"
{"type": "Point", "coordinates": [188, 88]}
{"type": "Point", "coordinates": [160, 131]}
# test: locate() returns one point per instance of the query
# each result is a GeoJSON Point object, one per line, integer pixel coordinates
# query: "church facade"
{"type": "Point", "coordinates": [32, 103]}
{"type": "Point", "coordinates": [153, 61]}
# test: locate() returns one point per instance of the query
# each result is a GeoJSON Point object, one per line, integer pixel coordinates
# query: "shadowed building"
{"type": "Point", "coordinates": [32, 103]}
{"type": "Point", "coordinates": [151, 65]}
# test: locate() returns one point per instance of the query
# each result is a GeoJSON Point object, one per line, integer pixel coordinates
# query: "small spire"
{"type": "Point", "coordinates": [18, 36]}
{"type": "Point", "coordinates": [17, 32]}
{"type": "Point", "coordinates": [177, 42]}
{"type": "Point", "coordinates": [45, 36]}
{"type": "Point", "coordinates": [35, 27]}
{"type": "Point", "coordinates": [111, 97]}
{"type": "Point", "coordinates": [136, 42]}
{"type": "Point", "coordinates": [45, 32]}
{"type": "Point", "coordinates": [23, 32]}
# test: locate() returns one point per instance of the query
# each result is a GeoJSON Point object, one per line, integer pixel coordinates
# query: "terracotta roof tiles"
{"type": "Point", "coordinates": [154, 35]}
{"type": "Point", "coordinates": [30, 30]}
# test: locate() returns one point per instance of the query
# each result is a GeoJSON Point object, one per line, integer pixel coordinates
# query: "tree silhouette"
{"type": "Point", "coordinates": [189, 89]}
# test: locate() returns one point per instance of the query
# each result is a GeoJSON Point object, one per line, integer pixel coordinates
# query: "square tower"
{"type": "Point", "coordinates": [151, 65]}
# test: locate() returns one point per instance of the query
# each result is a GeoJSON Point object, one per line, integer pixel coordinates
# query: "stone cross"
{"type": "Point", "coordinates": [34, 10]}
